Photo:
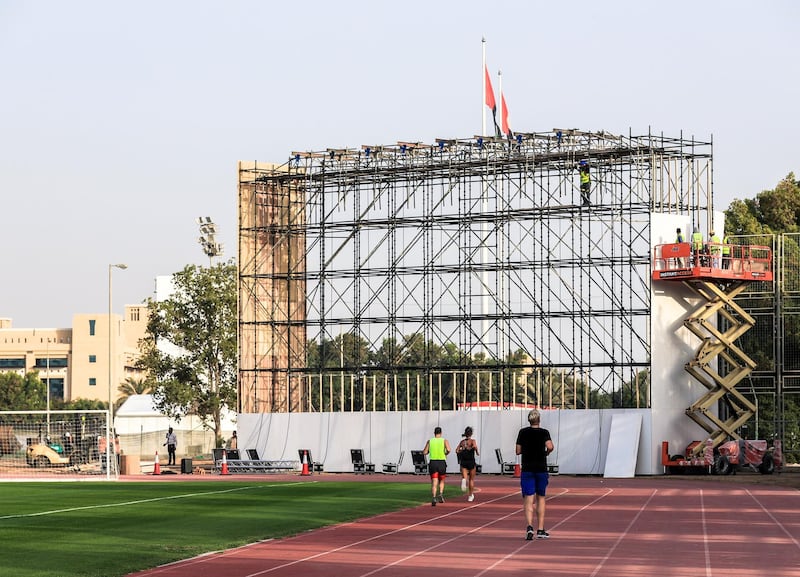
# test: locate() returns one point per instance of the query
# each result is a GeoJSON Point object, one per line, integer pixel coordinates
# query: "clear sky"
{"type": "Point", "coordinates": [122, 122]}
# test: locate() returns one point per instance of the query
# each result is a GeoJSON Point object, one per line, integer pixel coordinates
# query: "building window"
{"type": "Point", "coordinates": [135, 314]}
{"type": "Point", "coordinates": [92, 358]}
{"type": "Point", "coordinates": [56, 387]}
{"type": "Point", "coordinates": [44, 363]}
{"type": "Point", "coordinates": [92, 324]}
{"type": "Point", "coordinates": [12, 363]}
{"type": "Point", "coordinates": [92, 382]}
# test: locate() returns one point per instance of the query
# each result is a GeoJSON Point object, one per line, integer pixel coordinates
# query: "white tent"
{"type": "Point", "coordinates": [141, 428]}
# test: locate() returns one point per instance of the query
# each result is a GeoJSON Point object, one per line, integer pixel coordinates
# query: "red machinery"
{"type": "Point", "coordinates": [725, 459]}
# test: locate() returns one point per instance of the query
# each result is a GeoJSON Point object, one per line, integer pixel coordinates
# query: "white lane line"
{"type": "Point", "coordinates": [774, 520]}
{"type": "Point", "coordinates": [382, 535]}
{"type": "Point", "coordinates": [706, 544]}
{"type": "Point", "coordinates": [623, 535]}
{"type": "Point", "coordinates": [205, 558]}
{"type": "Point", "coordinates": [564, 520]}
{"type": "Point", "coordinates": [138, 502]}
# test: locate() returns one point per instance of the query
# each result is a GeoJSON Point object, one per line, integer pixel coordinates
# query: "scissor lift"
{"type": "Point", "coordinates": [717, 276]}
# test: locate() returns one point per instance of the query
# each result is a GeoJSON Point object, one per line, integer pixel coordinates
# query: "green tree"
{"type": "Point", "coordinates": [772, 211]}
{"type": "Point", "coordinates": [19, 393]}
{"type": "Point", "coordinates": [189, 350]}
{"type": "Point", "coordinates": [84, 405]}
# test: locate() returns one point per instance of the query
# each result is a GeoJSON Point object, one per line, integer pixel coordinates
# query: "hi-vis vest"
{"type": "Point", "coordinates": [697, 241]}
{"type": "Point", "coordinates": [715, 248]}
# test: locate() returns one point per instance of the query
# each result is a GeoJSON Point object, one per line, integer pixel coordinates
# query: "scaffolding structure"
{"type": "Point", "coordinates": [467, 257]}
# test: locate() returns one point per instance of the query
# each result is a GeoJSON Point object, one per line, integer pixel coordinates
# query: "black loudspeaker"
{"type": "Point", "coordinates": [186, 466]}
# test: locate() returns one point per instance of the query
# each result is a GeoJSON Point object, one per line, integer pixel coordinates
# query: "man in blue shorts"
{"type": "Point", "coordinates": [534, 444]}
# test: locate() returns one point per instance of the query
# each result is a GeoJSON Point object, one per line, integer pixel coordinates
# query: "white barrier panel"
{"type": "Point", "coordinates": [580, 437]}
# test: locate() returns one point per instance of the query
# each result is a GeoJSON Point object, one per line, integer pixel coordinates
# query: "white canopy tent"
{"type": "Point", "coordinates": [142, 428]}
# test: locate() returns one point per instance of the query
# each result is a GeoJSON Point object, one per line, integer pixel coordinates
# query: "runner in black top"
{"type": "Point", "coordinates": [534, 444]}
{"type": "Point", "coordinates": [466, 450]}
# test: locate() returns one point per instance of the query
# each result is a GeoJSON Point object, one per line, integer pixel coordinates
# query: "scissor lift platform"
{"type": "Point", "coordinates": [717, 276]}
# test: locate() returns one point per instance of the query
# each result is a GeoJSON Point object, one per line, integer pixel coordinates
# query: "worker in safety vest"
{"type": "Point", "coordinates": [726, 251]}
{"type": "Point", "coordinates": [714, 248]}
{"type": "Point", "coordinates": [679, 240]}
{"type": "Point", "coordinates": [583, 167]}
{"type": "Point", "coordinates": [697, 245]}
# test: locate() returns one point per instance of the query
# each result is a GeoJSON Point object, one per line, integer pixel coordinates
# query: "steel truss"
{"type": "Point", "coordinates": [479, 244]}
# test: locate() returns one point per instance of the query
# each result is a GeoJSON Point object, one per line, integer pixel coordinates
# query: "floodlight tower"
{"type": "Point", "coordinates": [208, 239]}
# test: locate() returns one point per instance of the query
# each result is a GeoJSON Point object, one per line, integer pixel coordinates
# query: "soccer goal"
{"type": "Point", "coordinates": [45, 445]}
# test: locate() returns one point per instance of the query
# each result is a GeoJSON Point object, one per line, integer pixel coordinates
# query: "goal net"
{"type": "Point", "coordinates": [42, 445]}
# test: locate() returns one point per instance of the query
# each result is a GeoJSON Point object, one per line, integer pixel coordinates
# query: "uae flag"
{"type": "Point", "coordinates": [504, 116]}
{"type": "Point", "coordinates": [489, 92]}
{"type": "Point", "coordinates": [490, 101]}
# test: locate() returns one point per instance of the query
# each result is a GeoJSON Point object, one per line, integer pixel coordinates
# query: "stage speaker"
{"type": "Point", "coordinates": [186, 466]}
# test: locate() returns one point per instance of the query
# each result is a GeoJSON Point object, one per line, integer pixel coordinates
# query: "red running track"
{"type": "Point", "coordinates": [643, 527]}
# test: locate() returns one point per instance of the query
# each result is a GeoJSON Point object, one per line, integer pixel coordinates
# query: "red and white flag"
{"type": "Point", "coordinates": [504, 116]}
{"type": "Point", "coordinates": [490, 102]}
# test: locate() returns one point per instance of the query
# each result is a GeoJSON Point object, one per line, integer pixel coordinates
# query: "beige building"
{"type": "Point", "coordinates": [74, 362]}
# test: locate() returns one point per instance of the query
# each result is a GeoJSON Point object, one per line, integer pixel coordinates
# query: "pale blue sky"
{"type": "Point", "coordinates": [121, 122]}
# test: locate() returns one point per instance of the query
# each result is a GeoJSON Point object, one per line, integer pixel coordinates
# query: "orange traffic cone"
{"type": "Point", "coordinates": [305, 472]}
{"type": "Point", "coordinates": [157, 466]}
{"type": "Point", "coordinates": [517, 469]}
{"type": "Point", "coordinates": [224, 469]}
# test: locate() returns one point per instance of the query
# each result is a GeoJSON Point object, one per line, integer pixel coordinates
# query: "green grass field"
{"type": "Point", "coordinates": [101, 529]}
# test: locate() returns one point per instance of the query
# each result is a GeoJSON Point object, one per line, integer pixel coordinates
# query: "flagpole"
{"type": "Point", "coordinates": [500, 88]}
{"type": "Point", "coordinates": [484, 225]}
{"type": "Point", "coordinates": [483, 84]}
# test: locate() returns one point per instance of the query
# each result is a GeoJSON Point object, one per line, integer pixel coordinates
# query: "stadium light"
{"type": "Point", "coordinates": [208, 240]}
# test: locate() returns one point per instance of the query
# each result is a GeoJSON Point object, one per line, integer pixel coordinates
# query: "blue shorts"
{"type": "Point", "coordinates": [533, 483]}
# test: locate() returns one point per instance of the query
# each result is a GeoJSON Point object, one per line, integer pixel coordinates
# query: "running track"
{"type": "Point", "coordinates": [643, 527]}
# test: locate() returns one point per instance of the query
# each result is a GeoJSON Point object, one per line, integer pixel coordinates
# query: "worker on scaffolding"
{"type": "Point", "coordinates": [583, 168]}
{"type": "Point", "coordinates": [726, 251]}
{"type": "Point", "coordinates": [697, 247]}
{"type": "Point", "coordinates": [714, 248]}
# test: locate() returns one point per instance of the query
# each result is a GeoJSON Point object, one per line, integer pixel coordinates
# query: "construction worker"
{"type": "Point", "coordinates": [679, 240]}
{"type": "Point", "coordinates": [726, 251]}
{"type": "Point", "coordinates": [583, 167]}
{"type": "Point", "coordinates": [697, 245]}
{"type": "Point", "coordinates": [714, 248]}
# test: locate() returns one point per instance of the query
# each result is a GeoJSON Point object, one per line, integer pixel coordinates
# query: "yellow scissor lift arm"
{"type": "Point", "coordinates": [719, 344]}
{"type": "Point", "coordinates": [718, 283]}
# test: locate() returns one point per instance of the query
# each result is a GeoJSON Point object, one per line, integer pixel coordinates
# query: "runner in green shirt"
{"type": "Point", "coordinates": [438, 448]}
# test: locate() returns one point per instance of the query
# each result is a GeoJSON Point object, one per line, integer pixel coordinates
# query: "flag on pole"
{"type": "Point", "coordinates": [490, 101]}
{"type": "Point", "coordinates": [489, 92]}
{"type": "Point", "coordinates": [504, 116]}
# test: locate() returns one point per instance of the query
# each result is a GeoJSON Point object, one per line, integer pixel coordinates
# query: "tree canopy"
{"type": "Point", "coordinates": [190, 350]}
{"type": "Point", "coordinates": [772, 211]}
{"type": "Point", "coordinates": [19, 393]}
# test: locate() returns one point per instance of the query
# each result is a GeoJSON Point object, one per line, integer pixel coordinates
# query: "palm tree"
{"type": "Point", "coordinates": [133, 386]}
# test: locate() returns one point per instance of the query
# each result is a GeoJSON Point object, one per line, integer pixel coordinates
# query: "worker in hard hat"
{"type": "Point", "coordinates": [714, 248]}
{"type": "Point", "coordinates": [697, 246]}
{"type": "Point", "coordinates": [583, 168]}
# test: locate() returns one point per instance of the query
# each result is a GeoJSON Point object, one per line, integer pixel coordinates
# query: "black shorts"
{"type": "Point", "coordinates": [437, 468]}
{"type": "Point", "coordinates": [468, 465]}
